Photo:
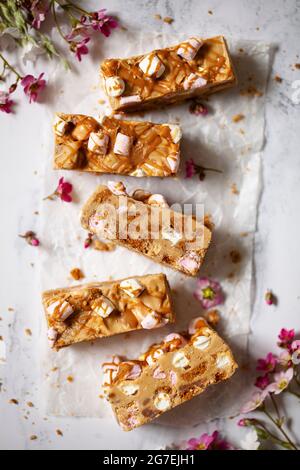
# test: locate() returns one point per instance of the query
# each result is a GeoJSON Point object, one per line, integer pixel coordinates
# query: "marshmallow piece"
{"type": "Point", "coordinates": [157, 200]}
{"type": "Point", "coordinates": [190, 262]}
{"type": "Point", "coordinates": [130, 99]}
{"type": "Point", "coordinates": [122, 144]}
{"type": "Point", "coordinates": [151, 65]}
{"type": "Point", "coordinates": [152, 320]}
{"type": "Point", "coordinates": [162, 401]}
{"type": "Point", "coordinates": [129, 389]}
{"type": "Point", "coordinates": [103, 307]}
{"type": "Point", "coordinates": [151, 359]}
{"type": "Point", "coordinates": [158, 373]}
{"type": "Point", "coordinates": [52, 307]}
{"type": "Point", "coordinates": [132, 287]}
{"type": "Point", "coordinates": [188, 49]}
{"type": "Point", "coordinates": [115, 86]}
{"type": "Point", "coordinates": [180, 360]}
{"type": "Point", "coordinates": [138, 173]}
{"type": "Point", "coordinates": [60, 126]}
{"type": "Point", "coordinates": [201, 342]}
{"type": "Point", "coordinates": [196, 324]}
{"type": "Point", "coordinates": [169, 233]}
{"type": "Point", "coordinates": [135, 371]}
{"type": "Point", "coordinates": [173, 377]}
{"type": "Point", "coordinates": [173, 162]}
{"type": "Point", "coordinates": [176, 337]}
{"type": "Point", "coordinates": [98, 142]}
{"type": "Point", "coordinates": [52, 336]}
{"type": "Point", "coordinates": [117, 188]}
{"type": "Point", "coordinates": [176, 133]}
{"type": "Point", "coordinates": [222, 361]}
{"type": "Point", "coordinates": [194, 81]}
{"type": "Point", "coordinates": [65, 310]}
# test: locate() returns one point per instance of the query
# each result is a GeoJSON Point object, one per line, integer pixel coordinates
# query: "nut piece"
{"type": "Point", "coordinates": [169, 233]}
{"type": "Point", "coordinates": [52, 336]}
{"type": "Point", "coordinates": [194, 81]}
{"type": "Point", "coordinates": [180, 360]}
{"type": "Point", "coordinates": [122, 144]}
{"type": "Point", "coordinates": [152, 320]}
{"type": "Point", "coordinates": [157, 200]}
{"type": "Point", "coordinates": [115, 86]}
{"type": "Point", "coordinates": [132, 287]}
{"type": "Point", "coordinates": [117, 188]}
{"type": "Point", "coordinates": [222, 361]}
{"type": "Point", "coordinates": [103, 307]}
{"type": "Point", "coordinates": [188, 49]}
{"type": "Point", "coordinates": [60, 125]}
{"type": "Point", "coordinates": [98, 142]}
{"type": "Point", "coordinates": [201, 342]}
{"type": "Point", "coordinates": [129, 389]}
{"type": "Point", "coordinates": [176, 133]}
{"type": "Point", "coordinates": [151, 65]}
{"type": "Point", "coordinates": [141, 195]}
{"type": "Point", "coordinates": [162, 401]}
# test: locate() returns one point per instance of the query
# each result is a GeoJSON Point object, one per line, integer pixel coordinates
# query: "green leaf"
{"type": "Point", "coordinates": [261, 433]}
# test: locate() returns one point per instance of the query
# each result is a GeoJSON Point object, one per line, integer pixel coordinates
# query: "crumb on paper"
{"type": "Point", "coordinates": [70, 378]}
{"type": "Point", "coordinates": [235, 256]}
{"type": "Point", "coordinates": [278, 79]}
{"type": "Point", "coordinates": [213, 317]}
{"type": "Point", "coordinates": [28, 332]}
{"type": "Point", "coordinates": [102, 246]}
{"type": "Point", "coordinates": [251, 91]}
{"type": "Point", "coordinates": [238, 117]}
{"type": "Point", "coordinates": [30, 404]}
{"type": "Point", "coordinates": [297, 66]}
{"type": "Point", "coordinates": [168, 20]}
{"type": "Point", "coordinates": [158, 17]}
{"type": "Point", "coordinates": [10, 309]}
{"type": "Point", "coordinates": [59, 432]}
{"type": "Point", "coordinates": [210, 12]}
{"type": "Point", "coordinates": [1, 338]}
{"type": "Point", "coordinates": [33, 437]}
{"type": "Point", "coordinates": [13, 401]}
{"type": "Point", "coordinates": [234, 189]}
{"type": "Point", "coordinates": [244, 234]}
{"type": "Point", "coordinates": [101, 101]}
{"type": "Point", "coordinates": [241, 50]}
{"type": "Point", "coordinates": [54, 369]}
{"type": "Point", "coordinates": [76, 274]}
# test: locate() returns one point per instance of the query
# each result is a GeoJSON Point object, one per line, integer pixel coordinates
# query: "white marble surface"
{"type": "Point", "coordinates": [276, 247]}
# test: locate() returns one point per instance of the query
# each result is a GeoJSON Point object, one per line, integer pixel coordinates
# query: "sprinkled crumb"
{"type": "Point", "coordinates": [70, 378]}
{"type": "Point", "coordinates": [241, 50]}
{"type": "Point", "coordinates": [278, 79]}
{"type": "Point", "coordinates": [101, 246]}
{"type": "Point", "coordinates": [101, 101]}
{"type": "Point", "coordinates": [238, 117]}
{"type": "Point", "coordinates": [297, 66]}
{"type": "Point", "coordinates": [30, 404]}
{"type": "Point", "coordinates": [33, 437]}
{"type": "Point", "coordinates": [234, 189]}
{"type": "Point", "coordinates": [13, 401]}
{"type": "Point", "coordinates": [210, 12]}
{"type": "Point", "coordinates": [235, 256]}
{"type": "Point", "coordinates": [244, 234]}
{"type": "Point", "coordinates": [10, 309]}
{"type": "Point", "coordinates": [28, 332]}
{"type": "Point", "coordinates": [59, 432]}
{"type": "Point", "coordinates": [54, 369]}
{"type": "Point", "coordinates": [76, 274]}
{"type": "Point", "coordinates": [168, 20]}
{"type": "Point", "coordinates": [1, 338]}
{"type": "Point", "coordinates": [213, 317]}
{"type": "Point", "coordinates": [158, 17]}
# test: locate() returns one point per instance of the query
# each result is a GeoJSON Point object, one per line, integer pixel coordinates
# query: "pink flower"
{"type": "Point", "coordinates": [285, 359]}
{"type": "Point", "coordinates": [31, 238]}
{"type": "Point", "coordinates": [267, 364]}
{"type": "Point", "coordinates": [281, 381]}
{"type": "Point", "coordinates": [103, 23]}
{"type": "Point", "coordinates": [256, 401]}
{"type": "Point", "coordinates": [208, 442]}
{"type": "Point", "coordinates": [38, 10]}
{"type": "Point", "coordinates": [286, 337]}
{"type": "Point", "coordinates": [190, 168]}
{"type": "Point", "coordinates": [262, 382]}
{"type": "Point", "coordinates": [5, 102]}
{"type": "Point", "coordinates": [295, 345]}
{"type": "Point", "coordinates": [242, 422]}
{"type": "Point", "coordinates": [88, 241]}
{"type": "Point", "coordinates": [198, 108]}
{"type": "Point", "coordinates": [80, 48]}
{"type": "Point", "coordinates": [33, 86]}
{"type": "Point", "coordinates": [78, 32]}
{"type": "Point", "coordinates": [64, 190]}
{"type": "Point", "coordinates": [209, 293]}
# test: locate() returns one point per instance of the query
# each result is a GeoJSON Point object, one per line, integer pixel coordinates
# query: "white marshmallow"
{"type": "Point", "coordinates": [188, 49]}
{"type": "Point", "coordinates": [130, 99]}
{"type": "Point", "coordinates": [65, 310]}
{"type": "Point", "coordinates": [190, 262]}
{"type": "Point", "coordinates": [169, 233]}
{"type": "Point", "coordinates": [103, 307]}
{"type": "Point", "coordinates": [180, 360]}
{"type": "Point", "coordinates": [157, 200]}
{"type": "Point", "coordinates": [129, 389]}
{"type": "Point", "coordinates": [193, 81]}
{"type": "Point", "coordinates": [122, 144]}
{"type": "Point", "coordinates": [162, 401]}
{"type": "Point", "coordinates": [175, 336]}
{"type": "Point", "coordinates": [152, 320]}
{"type": "Point", "coordinates": [134, 372]}
{"type": "Point", "coordinates": [173, 377]}
{"type": "Point", "coordinates": [151, 359]}
{"type": "Point", "coordinates": [195, 324]}
{"type": "Point", "coordinates": [201, 342]}
{"type": "Point", "coordinates": [138, 173]}
{"type": "Point", "coordinates": [132, 287]}
{"type": "Point", "coordinates": [176, 133]}
{"type": "Point", "coordinates": [222, 361]}
{"type": "Point", "coordinates": [158, 373]}
{"type": "Point", "coordinates": [52, 307]}
{"type": "Point", "coordinates": [173, 162]}
{"type": "Point", "coordinates": [117, 188]}
{"type": "Point", "coordinates": [151, 65]}
{"type": "Point", "coordinates": [52, 336]}
{"type": "Point", "coordinates": [115, 86]}
{"type": "Point", "coordinates": [60, 125]}
{"type": "Point", "coordinates": [98, 142]}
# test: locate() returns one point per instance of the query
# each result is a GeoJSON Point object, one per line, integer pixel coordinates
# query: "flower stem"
{"type": "Point", "coordinates": [69, 5]}
{"type": "Point", "coordinates": [280, 429]}
{"type": "Point", "coordinates": [211, 169]}
{"type": "Point", "coordinates": [7, 64]}
{"type": "Point", "coordinates": [279, 419]}
{"type": "Point", "coordinates": [56, 20]}
{"type": "Point", "coordinates": [273, 437]}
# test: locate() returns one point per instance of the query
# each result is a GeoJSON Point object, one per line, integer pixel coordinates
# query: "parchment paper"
{"type": "Point", "coordinates": [230, 198]}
